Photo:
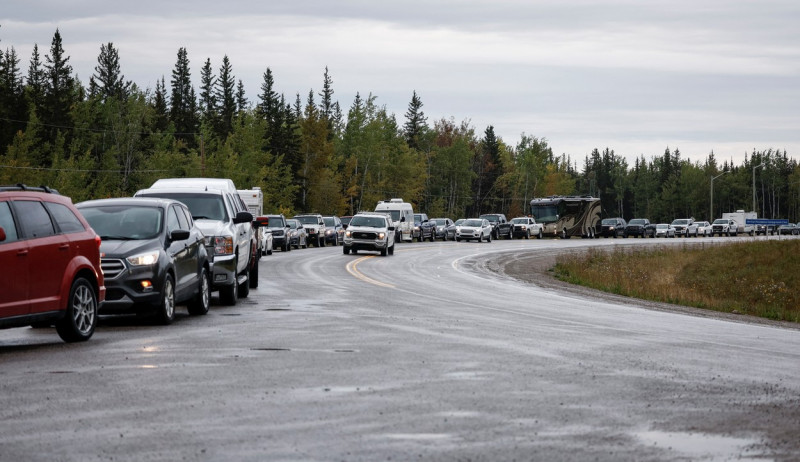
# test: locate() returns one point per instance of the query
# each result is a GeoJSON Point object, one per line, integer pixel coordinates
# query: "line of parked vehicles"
{"type": "Point", "coordinates": [688, 227]}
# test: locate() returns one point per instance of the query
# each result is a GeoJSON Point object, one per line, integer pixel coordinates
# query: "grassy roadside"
{"type": "Point", "coordinates": [755, 278]}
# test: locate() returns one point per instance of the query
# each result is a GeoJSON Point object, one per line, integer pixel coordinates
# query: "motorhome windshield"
{"type": "Point", "coordinates": [545, 213]}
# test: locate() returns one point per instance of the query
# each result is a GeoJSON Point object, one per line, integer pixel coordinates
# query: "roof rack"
{"type": "Point", "coordinates": [24, 187]}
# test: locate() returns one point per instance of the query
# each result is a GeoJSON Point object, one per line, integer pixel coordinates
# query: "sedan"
{"type": "Point", "coordinates": [476, 229]}
{"type": "Point", "coordinates": [152, 254]}
{"type": "Point", "coordinates": [665, 230]}
{"type": "Point", "coordinates": [789, 228]}
{"type": "Point", "coordinates": [298, 237]}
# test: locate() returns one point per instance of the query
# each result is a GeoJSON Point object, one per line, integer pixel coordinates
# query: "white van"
{"type": "Point", "coordinates": [402, 215]}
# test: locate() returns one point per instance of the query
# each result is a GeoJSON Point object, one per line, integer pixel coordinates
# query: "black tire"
{"type": "Point", "coordinates": [540, 235]}
{"type": "Point", "coordinates": [200, 303]}
{"type": "Point", "coordinates": [244, 288]}
{"type": "Point", "coordinates": [345, 250]}
{"type": "Point", "coordinates": [253, 279]}
{"type": "Point", "coordinates": [528, 234]}
{"type": "Point", "coordinates": [564, 234]}
{"type": "Point", "coordinates": [229, 295]}
{"type": "Point", "coordinates": [391, 250]}
{"type": "Point", "coordinates": [286, 246]}
{"type": "Point", "coordinates": [384, 252]}
{"type": "Point", "coordinates": [458, 239]}
{"type": "Point", "coordinates": [80, 317]}
{"type": "Point", "coordinates": [165, 311]}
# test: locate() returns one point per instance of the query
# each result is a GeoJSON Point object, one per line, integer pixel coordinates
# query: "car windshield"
{"type": "Point", "coordinates": [294, 224]}
{"type": "Point", "coordinates": [459, 221]}
{"type": "Point", "coordinates": [329, 221]}
{"type": "Point", "coordinates": [519, 220]}
{"type": "Point", "coordinates": [346, 220]}
{"type": "Point", "coordinates": [662, 226]}
{"type": "Point", "coordinates": [545, 213]}
{"type": "Point", "coordinates": [609, 221]}
{"type": "Point", "coordinates": [307, 220]}
{"type": "Point", "coordinates": [367, 222]}
{"type": "Point", "coordinates": [680, 222]}
{"type": "Point", "coordinates": [202, 206]}
{"type": "Point", "coordinates": [491, 218]}
{"type": "Point", "coordinates": [636, 222]}
{"type": "Point", "coordinates": [720, 221]}
{"type": "Point", "coordinates": [440, 221]}
{"type": "Point", "coordinates": [417, 217]}
{"type": "Point", "coordinates": [474, 223]}
{"type": "Point", "coordinates": [276, 222]}
{"type": "Point", "coordinates": [124, 222]}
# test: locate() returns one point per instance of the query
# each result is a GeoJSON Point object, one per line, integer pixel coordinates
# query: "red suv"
{"type": "Point", "coordinates": [49, 263]}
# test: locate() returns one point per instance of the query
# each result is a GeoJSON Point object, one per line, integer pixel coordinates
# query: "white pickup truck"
{"type": "Point", "coordinates": [724, 227]}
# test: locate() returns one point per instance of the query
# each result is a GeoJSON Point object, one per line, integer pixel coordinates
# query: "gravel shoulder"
{"type": "Point", "coordinates": [535, 267]}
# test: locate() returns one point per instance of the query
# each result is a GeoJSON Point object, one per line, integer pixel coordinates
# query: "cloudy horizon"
{"type": "Point", "coordinates": [635, 77]}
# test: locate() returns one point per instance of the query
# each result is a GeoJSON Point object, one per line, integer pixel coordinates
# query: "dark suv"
{"type": "Point", "coordinates": [154, 256]}
{"type": "Point", "coordinates": [50, 260]}
{"type": "Point", "coordinates": [613, 227]}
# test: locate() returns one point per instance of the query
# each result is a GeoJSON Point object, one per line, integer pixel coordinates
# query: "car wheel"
{"type": "Point", "coordinates": [253, 279]}
{"type": "Point", "coordinates": [345, 250]}
{"type": "Point", "coordinates": [564, 234]}
{"type": "Point", "coordinates": [80, 318]}
{"type": "Point", "coordinates": [384, 252]}
{"type": "Point", "coordinates": [540, 235]}
{"type": "Point", "coordinates": [458, 239]}
{"type": "Point", "coordinates": [165, 312]}
{"type": "Point", "coordinates": [200, 303]}
{"type": "Point", "coordinates": [229, 295]}
{"type": "Point", "coordinates": [489, 238]}
{"type": "Point", "coordinates": [244, 288]}
{"type": "Point", "coordinates": [391, 250]}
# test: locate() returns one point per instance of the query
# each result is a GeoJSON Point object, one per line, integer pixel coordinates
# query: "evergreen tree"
{"type": "Point", "coordinates": [108, 76]}
{"type": "Point", "coordinates": [183, 102]}
{"type": "Point", "coordinates": [160, 107]}
{"type": "Point", "coordinates": [59, 90]}
{"type": "Point", "coordinates": [326, 103]}
{"type": "Point", "coordinates": [241, 100]}
{"type": "Point", "coordinates": [12, 98]}
{"type": "Point", "coordinates": [269, 104]}
{"type": "Point", "coordinates": [226, 98]}
{"type": "Point", "coordinates": [208, 100]}
{"type": "Point", "coordinates": [415, 122]}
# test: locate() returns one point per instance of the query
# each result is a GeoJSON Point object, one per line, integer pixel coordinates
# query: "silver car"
{"type": "Point", "coordinates": [474, 229]}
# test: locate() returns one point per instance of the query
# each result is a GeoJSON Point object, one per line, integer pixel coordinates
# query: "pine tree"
{"type": "Point", "coordinates": [241, 100]}
{"type": "Point", "coordinates": [226, 98]}
{"type": "Point", "coordinates": [326, 103]}
{"type": "Point", "coordinates": [183, 109]}
{"type": "Point", "coordinates": [160, 104]}
{"type": "Point", "coordinates": [12, 98]}
{"type": "Point", "coordinates": [268, 105]}
{"type": "Point", "coordinates": [415, 122]}
{"type": "Point", "coordinates": [208, 100]}
{"type": "Point", "coordinates": [108, 76]}
{"type": "Point", "coordinates": [59, 90]}
{"type": "Point", "coordinates": [35, 81]}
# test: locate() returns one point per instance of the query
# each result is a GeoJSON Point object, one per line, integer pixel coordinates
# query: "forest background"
{"type": "Point", "coordinates": [110, 138]}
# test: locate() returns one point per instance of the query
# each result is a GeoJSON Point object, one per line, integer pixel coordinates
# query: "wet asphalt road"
{"type": "Point", "coordinates": [423, 355]}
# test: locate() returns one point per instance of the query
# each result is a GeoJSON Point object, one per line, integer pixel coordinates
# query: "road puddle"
{"type": "Point", "coordinates": [705, 447]}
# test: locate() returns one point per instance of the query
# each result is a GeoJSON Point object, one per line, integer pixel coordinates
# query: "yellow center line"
{"type": "Point", "coordinates": [352, 268]}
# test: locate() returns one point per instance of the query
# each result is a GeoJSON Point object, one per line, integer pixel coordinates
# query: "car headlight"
{"type": "Point", "coordinates": [348, 234]}
{"type": "Point", "coordinates": [144, 259]}
{"type": "Point", "coordinates": [381, 235]}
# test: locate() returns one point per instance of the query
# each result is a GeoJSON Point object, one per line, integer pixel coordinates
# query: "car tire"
{"type": "Point", "coordinates": [229, 295]}
{"type": "Point", "coordinates": [384, 252]}
{"type": "Point", "coordinates": [489, 238]}
{"type": "Point", "coordinates": [165, 310]}
{"type": "Point", "coordinates": [540, 235]}
{"type": "Point", "coordinates": [244, 288]}
{"type": "Point", "coordinates": [80, 317]}
{"type": "Point", "coordinates": [391, 250]}
{"type": "Point", "coordinates": [201, 302]}
{"type": "Point", "coordinates": [253, 278]}
{"type": "Point", "coordinates": [345, 250]}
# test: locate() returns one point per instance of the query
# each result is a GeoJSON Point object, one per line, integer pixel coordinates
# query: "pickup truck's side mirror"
{"type": "Point", "coordinates": [179, 234]}
{"type": "Point", "coordinates": [390, 228]}
{"type": "Point", "coordinates": [243, 217]}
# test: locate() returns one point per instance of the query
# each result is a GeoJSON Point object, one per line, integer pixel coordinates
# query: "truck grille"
{"type": "Point", "coordinates": [111, 267]}
{"type": "Point", "coordinates": [363, 235]}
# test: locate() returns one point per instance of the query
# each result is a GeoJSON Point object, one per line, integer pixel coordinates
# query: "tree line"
{"type": "Point", "coordinates": [110, 138]}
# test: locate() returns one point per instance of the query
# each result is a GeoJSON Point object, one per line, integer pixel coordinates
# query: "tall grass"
{"type": "Point", "coordinates": [754, 278]}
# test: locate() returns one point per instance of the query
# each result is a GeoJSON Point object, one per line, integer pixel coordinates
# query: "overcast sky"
{"type": "Point", "coordinates": [636, 76]}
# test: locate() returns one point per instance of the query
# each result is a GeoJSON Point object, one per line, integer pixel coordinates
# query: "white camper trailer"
{"type": "Point", "coordinates": [402, 215]}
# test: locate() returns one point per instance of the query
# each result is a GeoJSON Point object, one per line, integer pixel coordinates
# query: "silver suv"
{"type": "Point", "coordinates": [227, 225]}
{"type": "Point", "coordinates": [314, 225]}
{"type": "Point", "coordinates": [370, 231]}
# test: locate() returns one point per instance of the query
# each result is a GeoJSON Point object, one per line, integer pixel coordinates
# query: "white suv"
{"type": "Point", "coordinates": [314, 225]}
{"type": "Point", "coordinates": [370, 231]}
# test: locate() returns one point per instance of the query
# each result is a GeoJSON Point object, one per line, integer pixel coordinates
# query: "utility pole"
{"type": "Point", "coordinates": [711, 202]}
{"type": "Point", "coordinates": [754, 184]}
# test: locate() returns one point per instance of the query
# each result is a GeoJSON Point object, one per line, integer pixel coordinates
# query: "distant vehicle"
{"type": "Point", "coordinates": [724, 227]}
{"type": "Point", "coordinates": [297, 236]}
{"type": "Point", "coordinates": [741, 217]}
{"type": "Point", "coordinates": [424, 228]}
{"type": "Point", "coordinates": [315, 227]}
{"type": "Point", "coordinates": [500, 225]}
{"type": "Point", "coordinates": [276, 225]}
{"type": "Point", "coordinates": [474, 229]}
{"type": "Point", "coordinates": [346, 220]}
{"type": "Point", "coordinates": [441, 227]}
{"type": "Point", "coordinates": [703, 228]}
{"type": "Point", "coordinates": [450, 231]}
{"type": "Point", "coordinates": [665, 230]}
{"type": "Point", "coordinates": [612, 227]}
{"type": "Point", "coordinates": [567, 216]}
{"type": "Point", "coordinates": [640, 227]}
{"type": "Point", "coordinates": [370, 231]}
{"type": "Point", "coordinates": [789, 228]}
{"type": "Point", "coordinates": [685, 227]}
{"type": "Point", "coordinates": [50, 263]}
{"type": "Point", "coordinates": [153, 256]}
{"type": "Point", "coordinates": [402, 215]}
{"type": "Point", "coordinates": [334, 230]}
{"type": "Point", "coordinates": [526, 227]}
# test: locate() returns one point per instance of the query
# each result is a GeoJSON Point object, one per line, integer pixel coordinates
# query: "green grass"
{"type": "Point", "coordinates": [754, 278]}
